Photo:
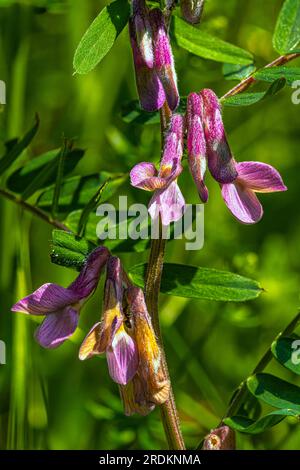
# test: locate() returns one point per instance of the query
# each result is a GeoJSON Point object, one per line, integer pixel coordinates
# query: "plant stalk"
{"type": "Point", "coordinates": [33, 210]}
{"type": "Point", "coordinates": [263, 363]}
{"type": "Point", "coordinates": [169, 414]}
{"type": "Point", "coordinates": [247, 82]}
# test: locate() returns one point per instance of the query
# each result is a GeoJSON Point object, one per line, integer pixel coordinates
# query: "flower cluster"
{"type": "Point", "coordinates": [207, 146]}
{"type": "Point", "coordinates": [124, 334]}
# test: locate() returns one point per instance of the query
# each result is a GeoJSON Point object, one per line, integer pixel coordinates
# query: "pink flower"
{"type": "Point", "coordinates": [240, 195]}
{"type": "Point", "coordinates": [153, 60]}
{"type": "Point", "coordinates": [167, 200]}
{"type": "Point", "coordinates": [111, 336]}
{"type": "Point", "coordinates": [196, 143]}
{"type": "Point", "coordinates": [61, 306]}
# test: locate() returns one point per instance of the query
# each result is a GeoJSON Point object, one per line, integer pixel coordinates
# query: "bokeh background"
{"type": "Point", "coordinates": [49, 399]}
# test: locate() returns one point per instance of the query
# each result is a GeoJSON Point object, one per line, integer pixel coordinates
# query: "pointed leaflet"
{"type": "Point", "coordinates": [17, 147]}
{"type": "Point", "coordinates": [100, 36]}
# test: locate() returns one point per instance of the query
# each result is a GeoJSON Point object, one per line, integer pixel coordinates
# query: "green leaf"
{"type": "Point", "coordinates": [91, 205]}
{"type": "Point", "coordinates": [237, 71]}
{"type": "Point", "coordinates": [69, 250]}
{"type": "Point", "coordinates": [271, 74]}
{"type": "Point", "coordinates": [45, 164]}
{"type": "Point", "coordinates": [77, 191]}
{"type": "Point", "coordinates": [248, 99]}
{"type": "Point", "coordinates": [284, 350]}
{"type": "Point", "coordinates": [118, 245]}
{"type": "Point", "coordinates": [201, 283]}
{"type": "Point", "coordinates": [274, 391]}
{"type": "Point", "coordinates": [59, 176]}
{"type": "Point", "coordinates": [15, 147]}
{"type": "Point", "coordinates": [205, 45]}
{"type": "Point", "coordinates": [100, 36]}
{"type": "Point", "coordinates": [287, 31]}
{"type": "Point", "coordinates": [249, 426]}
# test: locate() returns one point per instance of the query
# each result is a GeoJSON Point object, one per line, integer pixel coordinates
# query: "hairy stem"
{"type": "Point", "coordinates": [265, 360]}
{"type": "Point", "coordinates": [169, 414]}
{"type": "Point", "coordinates": [247, 82]}
{"type": "Point", "coordinates": [33, 210]}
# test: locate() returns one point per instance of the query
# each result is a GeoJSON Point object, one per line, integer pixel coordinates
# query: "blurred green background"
{"type": "Point", "coordinates": [49, 399]}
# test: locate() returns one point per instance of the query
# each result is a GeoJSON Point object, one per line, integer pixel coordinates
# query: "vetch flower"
{"type": "Point", "coordinates": [192, 10]}
{"type": "Point", "coordinates": [153, 387]}
{"type": "Point", "coordinates": [221, 163]}
{"type": "Point", "coordinates": [222, 438]}
{"type": "Point", "coordinates": [153, 60]}
{"type": "Point", "coordinates": [252, 177]}
{"type": "Point", "coordinates": [143, 32]}
{"type": "Point", "coordinates": [112, 335]}
{"type": "Point", "coordinates": [167, 200]}
{"type": "Point", "coordinates": [239, 181]}
{"type": "Point", "coordinates": [61, 306]}
{"type": "Point", "coordinates": [163, 58]}
{"type": "Point", "coordinates": [196, 143]}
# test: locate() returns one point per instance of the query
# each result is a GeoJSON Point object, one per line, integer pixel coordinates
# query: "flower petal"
{"type": "Point", "coordinates": [242, 202]}
{"type": "Point", "coordinates": [91, 344]}
{"type": "Point", "coordinates": [173, 147]}
{"type": "Point", "coordinates": [57, 327]}
{"type": "Point", "coordinates": [154, 385]}
{"type": "Point", "coordinates": [221, 163]}
{"type": "Point", "coordinates": [260, 177]}
{"type": "Point", "coordinates": [169, 203]}
{"type": "Point", "coordinates": [122, 357]}
{"type": "Point", "coordinates": [46, 299]}
{"type": "Point", "coordinates": [163, 58]}
{"type": "Point", "coordinates": [196, 143]}
{"type": "Point", "coordinates": [88, 278]}
{"type": "Point", "coordinates": [150, 89]}
{"type": "Point", "coordinates": [144, 176]}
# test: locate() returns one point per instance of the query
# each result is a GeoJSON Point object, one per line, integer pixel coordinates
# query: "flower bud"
{"type": "Point", "coordinates": [222, 438]}
{"type": "Point", "coordinates": [163, 58]}
{"type": "Point", "coordinates": [196, 144]}
{"type": "Point", "coordinates": [192, 10]}
{"type": "Point", "coordinates": [143, 32]}
{"type": "Point", "coordinates": [221, 163]}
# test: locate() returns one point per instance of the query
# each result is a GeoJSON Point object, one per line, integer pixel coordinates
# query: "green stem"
{"type": "Point", "coordinates": [263, 363]}
{"type": "Point", "coordinates": [169, 414]}
{"type": "Point", "coordinates": [247, 82]}
{"type": "Point", "coordinates": [33, 210]}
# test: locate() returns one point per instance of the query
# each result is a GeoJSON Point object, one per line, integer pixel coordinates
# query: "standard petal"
{"type": "Point", "coordinates": [169, 203]}
{"type": "Point", "coordinates": [242, 202]}
{"type": "Point", "coordinates": [144, 176]}
{"type": "Point", "coordinates": [91, 344]}
{"type": "Point", "coordinates": [46, 299]}
{"type": "Point", "coordinates": [122, 357]}
{"type": "Point", "coordinates": [57, 327]}
{"type": "Point", "coordinates": [88, 278]}
{"type": "Point", "coordinates": [260, 177]}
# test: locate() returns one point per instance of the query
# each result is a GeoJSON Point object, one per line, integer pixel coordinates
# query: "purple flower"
{"type": "Point", "coordinates": [153, 60]}
{"type": "Point", "coordinates": [240, 197]}
{"type": "Point", "coordinates": [112, 335]}
{"type": "Point", "coordinates": [220, 159]}
{"type": "Point", "coordinates": [196, 143]}
{"type": "Point", "coordinates": [60, 305]}
{"type": "Point", "coordinates": [167, 200]}
{"type": "Point", "coordinates": [222, 438]}
{"type": "Point", "coordinates": [163, 58]}
{"type": "Point", "coordinates": [192, 10]}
